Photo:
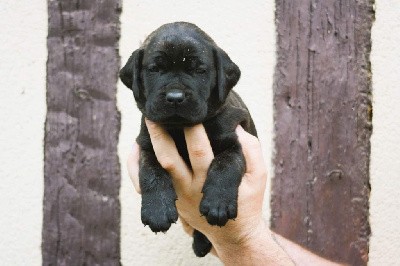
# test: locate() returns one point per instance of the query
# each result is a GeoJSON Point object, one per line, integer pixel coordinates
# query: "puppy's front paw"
{"type": "Point", "coordinates": [159, 211]}
{"type": "Point", "coordinates": [219, 205]}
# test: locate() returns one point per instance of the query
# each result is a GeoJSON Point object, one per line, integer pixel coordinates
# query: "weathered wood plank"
{"type": "Point", "coordinates": [81, 223]}
{"type": "Point", "coordinates": [322, 101]}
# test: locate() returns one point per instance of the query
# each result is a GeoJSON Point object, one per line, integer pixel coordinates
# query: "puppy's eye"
{"type": "Point", "coordinates": [154, 68]}
{"type": "Point", "coordinates": [200, 70]}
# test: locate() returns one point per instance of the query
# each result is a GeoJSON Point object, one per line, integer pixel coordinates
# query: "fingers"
{"type": "Point", "coordinates": [133, 167]}
{"type": "Point", "coordinates": [168, 156]}
{"type": "Point", "coordinates": [200, 151]}
{"type": "Point", "coordinates": [251, 147]}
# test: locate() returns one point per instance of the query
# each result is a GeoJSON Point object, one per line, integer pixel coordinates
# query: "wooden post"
{"type": "Point", "coordinates": [81, 223]}
{"type": "Point", "coordinates": [322, 101]}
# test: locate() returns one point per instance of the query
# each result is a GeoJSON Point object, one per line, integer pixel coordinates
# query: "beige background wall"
{"type": "Point", "coordinates": [246, 31]}
{"type": "Point", "coordinates": [23, 55]}
{"type": "Point", "coordinates": [385, 143]}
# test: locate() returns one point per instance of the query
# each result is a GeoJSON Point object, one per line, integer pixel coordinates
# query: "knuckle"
{"type": "Point", "coordinates": [197, 151]}
{"type": "Point", "coordinates": [167, 163]}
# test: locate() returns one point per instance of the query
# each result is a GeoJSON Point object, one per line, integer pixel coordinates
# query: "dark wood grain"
{"type": "Point", "coordinates": [322, 101]}
{"type": "Point", "coordinates": [81, 223]}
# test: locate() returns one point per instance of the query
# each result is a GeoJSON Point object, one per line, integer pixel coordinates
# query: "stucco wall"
{"type": "Point", "coordinates": [385, 148]}
{"type": "Point", "coordinates": [23, 54]}
{"type": "Point", "coordinates": [246, 32]}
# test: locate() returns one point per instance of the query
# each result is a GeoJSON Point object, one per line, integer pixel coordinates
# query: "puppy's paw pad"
{"type": "Point", "coordinates": [158, 214]}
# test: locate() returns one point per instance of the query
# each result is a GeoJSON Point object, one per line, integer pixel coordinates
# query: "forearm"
{"type": "Point", "coordinates": [300, 255]}
{"type": "Point", "coordinates": [264, 247]}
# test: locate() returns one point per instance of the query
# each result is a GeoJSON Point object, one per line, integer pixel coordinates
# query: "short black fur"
{"type": "Point", "coordinates": [179, 78]}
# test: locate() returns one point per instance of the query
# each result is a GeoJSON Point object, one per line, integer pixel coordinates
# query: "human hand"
{"type": "Point", "coordinates": [244, 241]}
{"type": "Point", "coordinates": [188, 183]}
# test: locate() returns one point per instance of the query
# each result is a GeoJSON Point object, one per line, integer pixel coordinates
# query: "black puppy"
{"type": "Point", "coordinates": [179, 78]}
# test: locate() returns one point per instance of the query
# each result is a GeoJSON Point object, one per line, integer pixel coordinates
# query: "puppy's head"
{"type": "Point", "coordinates": [179, 76]}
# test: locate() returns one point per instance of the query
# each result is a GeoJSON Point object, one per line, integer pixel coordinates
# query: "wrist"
{"type": "Point", "coordinates": [256, 247]}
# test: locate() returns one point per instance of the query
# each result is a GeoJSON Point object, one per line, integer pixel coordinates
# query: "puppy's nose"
{"type": "Point", "coordinates": [175, 96]}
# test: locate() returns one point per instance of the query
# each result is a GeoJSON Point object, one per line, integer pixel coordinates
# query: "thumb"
{"type": "Point", "coordinates": [251, 147]}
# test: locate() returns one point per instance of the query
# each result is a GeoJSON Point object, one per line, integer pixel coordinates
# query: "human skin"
{"type": "Point", "coordinates": [247, 240]}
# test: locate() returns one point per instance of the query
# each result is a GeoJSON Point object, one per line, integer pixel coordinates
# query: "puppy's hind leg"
{"type": "Point", "coordinates": [201, 245]}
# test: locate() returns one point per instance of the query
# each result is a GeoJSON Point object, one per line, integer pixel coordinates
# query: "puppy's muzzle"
{"type": "Point", "coordinates": [175, 94]}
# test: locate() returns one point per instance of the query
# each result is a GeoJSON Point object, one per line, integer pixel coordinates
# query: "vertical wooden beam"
{"type": "Point", "coordinates": [322, 101]}
{"type": "Point", "coordinates": [81, 223]}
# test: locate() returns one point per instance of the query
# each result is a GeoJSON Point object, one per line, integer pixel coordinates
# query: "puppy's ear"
{"type": "Point", "coordinates": [228, 73]}
{"type": "Point", "coordinates": [130, 73]}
